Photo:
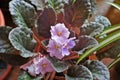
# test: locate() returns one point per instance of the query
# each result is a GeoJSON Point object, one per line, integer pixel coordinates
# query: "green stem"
{"type": "Point", "coordinates": [116, 5]}
{"type": "Point", "coordinates": [109, 39]}
{"type": "Point", "coordinates": [113, 63]}
{"type": "Point", "coordinates": [110, 29]}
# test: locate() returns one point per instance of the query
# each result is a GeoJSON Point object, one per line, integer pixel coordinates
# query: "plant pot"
{"type": "Point", "coordinates": [2, 21]}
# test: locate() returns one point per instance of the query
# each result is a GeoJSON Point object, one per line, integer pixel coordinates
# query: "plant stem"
{"type": "Point", "coordinates": [38, 40]}
{"type": "Point", "coordinates": [113, 63]}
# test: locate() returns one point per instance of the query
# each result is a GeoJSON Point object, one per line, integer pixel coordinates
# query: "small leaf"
{"type": "Point", "coordinates": [45, 21]}
{"type": "Point", "coordinates": [23, 13]}
{"type": "Point", "coordinates": [58, 65]}
{"type": "Point", "coordinates": [98, 69]}
{"type": "Point", "coordinates": [103, 20]}
{"type": "Point", "coordinates": [84, 42]}
{"type": "Point", "coordinates": [57, 5]}
{"type": "Point", "coordinates": [5, 45]}
{"type": "Point", "coordinates": [21, 38]}
{"type": "Point", "coordinates": [77, 13]}
{"type": "Point", "coordinates": [24, 76]}
{"type": "Point", "coordinates": [78, 73]}
{"type": "Point", "coordinates": [40, 4]}
{"type": "Point", "coordinates": [91, 29]}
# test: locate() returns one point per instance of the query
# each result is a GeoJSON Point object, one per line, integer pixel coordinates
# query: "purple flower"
{"type": "Point", "coordinates": [42, 65]}
{"type": "Point", "coordinates": [59, 30]}
{"type": "Point", "coordinates": [55, 49]}
{"type": "Point", "coordinates": [59, 50]}
{"type": "Point", "coordinates": [59, 44]}
{"type": "Point", "coordinates": [70, 43]}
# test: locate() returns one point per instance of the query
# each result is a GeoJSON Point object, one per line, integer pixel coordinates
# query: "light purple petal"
{"type": "Point", "coordinates": [71, 43]}
{"type": "Point", "coordinates": [65, 52]}
{"type": "Point", "coordinates": [31, 70]}
{"type": "Point", "coordinates": [55, 49]}
{"type": "Point", "coordinates": [59, 30]}
{"type": "Point", "coordinates": [39, 65]}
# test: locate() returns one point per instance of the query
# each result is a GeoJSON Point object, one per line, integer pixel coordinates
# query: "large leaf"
{"type": "Point", "coordinates": [84, 42]}
{"type": "Point", "coordinates": [5, 45]}
{"type": "Point", "coordinates": [78, 73]}
{"type": "Point", "coordinates": [111, 51]}
{"type": "Point", "coordinates": [98, 69]}
{"type": "Point", "coordinates": [58, 65]}
{"type": "Point", "coordinates": [22, 39]}
{"type": "Point", "coordinates": [45, 21]}
{"type": "Point", "coordinates": [91, 29]}
{"type": "Point", "coordinates": [23, 13]}
{"type": "Point", "coordinates": [7, 51]}
{"type": "Point", "coordinates": [77, 13]}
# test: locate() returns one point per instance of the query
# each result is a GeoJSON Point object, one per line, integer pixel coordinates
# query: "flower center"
{"type": "Point", "coordinates": [59, 33]}
{"type": "Point", "coordinates": [56, 46]}
{"type": "Point", "coordinates": [44, 65]}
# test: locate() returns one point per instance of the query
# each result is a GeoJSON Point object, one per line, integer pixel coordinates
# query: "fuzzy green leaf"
{"type": "Point", "coordinates": [98, 70]}
{"type": "Point", "coordinates": [103, 20]}
{"type": "Point", "coordinates": [5, 45]}
{"type": "Point", "coordinates": [85, 42]}
{"type": "Point", "coordinates": [22, 40]}
{"type": "Point", "coordinates": [24, 76]}
{"type": "Point", "coordinates": [57, 5]}
{"type": "Point", "coordinates": [78, 73]}
{"type": "Point", "coordinates": [23, 13]}
{"type": "Point", "coordinates": [58, 65]}
{"type": "Point", "coordinates": [91, 29]}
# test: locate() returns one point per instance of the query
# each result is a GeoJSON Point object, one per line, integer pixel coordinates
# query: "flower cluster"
{"type": "Point", "coordinates": [60, 43]}
{"type": "Point", "coordinates": [39, 65]}
{"type": "Point", "coordinates": [58, 47]}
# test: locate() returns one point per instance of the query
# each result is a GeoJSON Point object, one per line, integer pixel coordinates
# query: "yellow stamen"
{"type": "Point", "coordinates": [59, 33]}
{"type": "Point", "coordinates": [56, 46]}
{"type": "Point", "coordinates": [44, 65]}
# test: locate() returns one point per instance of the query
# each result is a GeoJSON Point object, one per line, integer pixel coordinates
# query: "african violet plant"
{"type": "Point", "coordinates": [58, 37]}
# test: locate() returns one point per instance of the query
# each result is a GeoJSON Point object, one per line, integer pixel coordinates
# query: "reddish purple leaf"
{"type": "Point", "coordinates": [47, 19]}
{"type": "Point", "coordinates": [77, 13]}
